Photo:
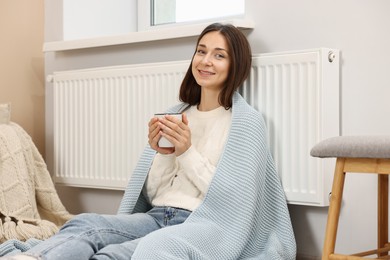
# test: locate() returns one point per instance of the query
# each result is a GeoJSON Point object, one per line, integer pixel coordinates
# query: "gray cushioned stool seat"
{"type": "Point", "coordinates": [353, 147]}
{"type": "Point", "coordinates": [357, 154]}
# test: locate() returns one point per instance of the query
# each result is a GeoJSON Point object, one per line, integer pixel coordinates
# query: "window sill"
{"type": "Point", "coordinates": [181, 31]}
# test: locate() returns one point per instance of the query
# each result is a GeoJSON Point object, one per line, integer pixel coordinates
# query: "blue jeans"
{"type": "Point", "coordinates": [93, 236]}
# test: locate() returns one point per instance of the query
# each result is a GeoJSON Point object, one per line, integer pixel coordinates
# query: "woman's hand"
{"type": "Point", "coordinates": [155, 135]}
{"type": "Point", "coordinates": [175, 131]}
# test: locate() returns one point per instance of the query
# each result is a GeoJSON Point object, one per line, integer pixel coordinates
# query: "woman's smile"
{"type": "Point", "coordinates": [206, 73]}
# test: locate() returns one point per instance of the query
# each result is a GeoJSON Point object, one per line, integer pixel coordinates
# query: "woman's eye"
{"type": "Point", "coordinates": [220, 56]}
{"type": "Point", "coordinates": [201, 52]}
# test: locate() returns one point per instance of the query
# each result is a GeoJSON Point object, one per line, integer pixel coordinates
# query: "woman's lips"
{"type": "Point", "coordinates": [205, 72]}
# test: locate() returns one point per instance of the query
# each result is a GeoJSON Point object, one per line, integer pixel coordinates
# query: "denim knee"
{"type": "Point", "coordinates": [84, 221]}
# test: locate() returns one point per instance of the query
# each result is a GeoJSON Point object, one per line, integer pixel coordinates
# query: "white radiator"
{"type": "Point", "coordinates": [298, 95]}
{"type": "Point", "coordinates": [101, 115]}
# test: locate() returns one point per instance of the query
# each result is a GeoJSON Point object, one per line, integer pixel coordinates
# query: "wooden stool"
{"type": "Point", "coordinates": [357, 154]}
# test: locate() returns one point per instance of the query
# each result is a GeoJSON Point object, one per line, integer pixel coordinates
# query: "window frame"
{"type": "Point", "coordinates": [145, 32]}
{"type": "Point", "coordinates": [144, 20]}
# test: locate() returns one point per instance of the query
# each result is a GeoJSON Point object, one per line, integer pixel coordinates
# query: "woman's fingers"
{"type": "Point", "coordinates": [175, 124]}
{"type": "Point", "coordinates": [154, 132]}
{"type": "Point", "coordinates": [171, 129]}
{"type": "Point", "coordinates": [185, 119]}
{"type": "Point", "coordinates": [177, 132]}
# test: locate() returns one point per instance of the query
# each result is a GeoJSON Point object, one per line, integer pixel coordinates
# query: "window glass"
{"type": "Point", "coordinates": [178, 11]}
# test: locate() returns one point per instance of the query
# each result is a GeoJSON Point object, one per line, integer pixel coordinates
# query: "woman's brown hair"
{"type": "Point", "coordinates": [240, 64]}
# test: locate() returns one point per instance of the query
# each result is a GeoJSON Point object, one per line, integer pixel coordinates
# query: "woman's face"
{"type": "Point", "coordinates": [210, 64]}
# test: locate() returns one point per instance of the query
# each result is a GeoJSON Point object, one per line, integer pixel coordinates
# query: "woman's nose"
{"type": "Point", "coordinates": [206, 59]}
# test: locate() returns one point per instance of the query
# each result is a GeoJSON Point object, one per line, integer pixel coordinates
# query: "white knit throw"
{"type": "Point", "coordinates": [29, 204]}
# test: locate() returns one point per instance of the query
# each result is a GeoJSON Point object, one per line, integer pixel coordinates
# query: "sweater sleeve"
{"type": "Point", "coordinates": [197, 168]}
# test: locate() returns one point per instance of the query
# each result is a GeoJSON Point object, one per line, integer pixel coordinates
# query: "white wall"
{"type": "Point", "coordinates": [359, 28]}
{"type": "Point", "coordinates": [21, 65]}
{"type": "Point", "coordinates": [94, 18]}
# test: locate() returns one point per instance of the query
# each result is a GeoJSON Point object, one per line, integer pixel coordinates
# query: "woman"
{"type": "Point", "coordinates": [213, 195]}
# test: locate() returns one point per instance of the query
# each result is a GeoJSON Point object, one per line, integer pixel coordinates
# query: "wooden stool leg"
{"type": "Point", "coordinates": [383, 207]}
{"type": "Point", "coordinates": [334, 209]}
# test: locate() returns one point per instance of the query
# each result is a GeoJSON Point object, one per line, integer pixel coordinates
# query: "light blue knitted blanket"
{"type": "Point", "coordinates": [244, 214]}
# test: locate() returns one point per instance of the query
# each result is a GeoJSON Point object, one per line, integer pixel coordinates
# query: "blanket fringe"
{"type": "Point", "coordinates": [13, 228]}
{"type": "Point", "coordinates": [9, 228]}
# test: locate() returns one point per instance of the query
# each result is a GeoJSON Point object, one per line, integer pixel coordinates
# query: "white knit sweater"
{"type": "Point", "coordinates": [183, 181]}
